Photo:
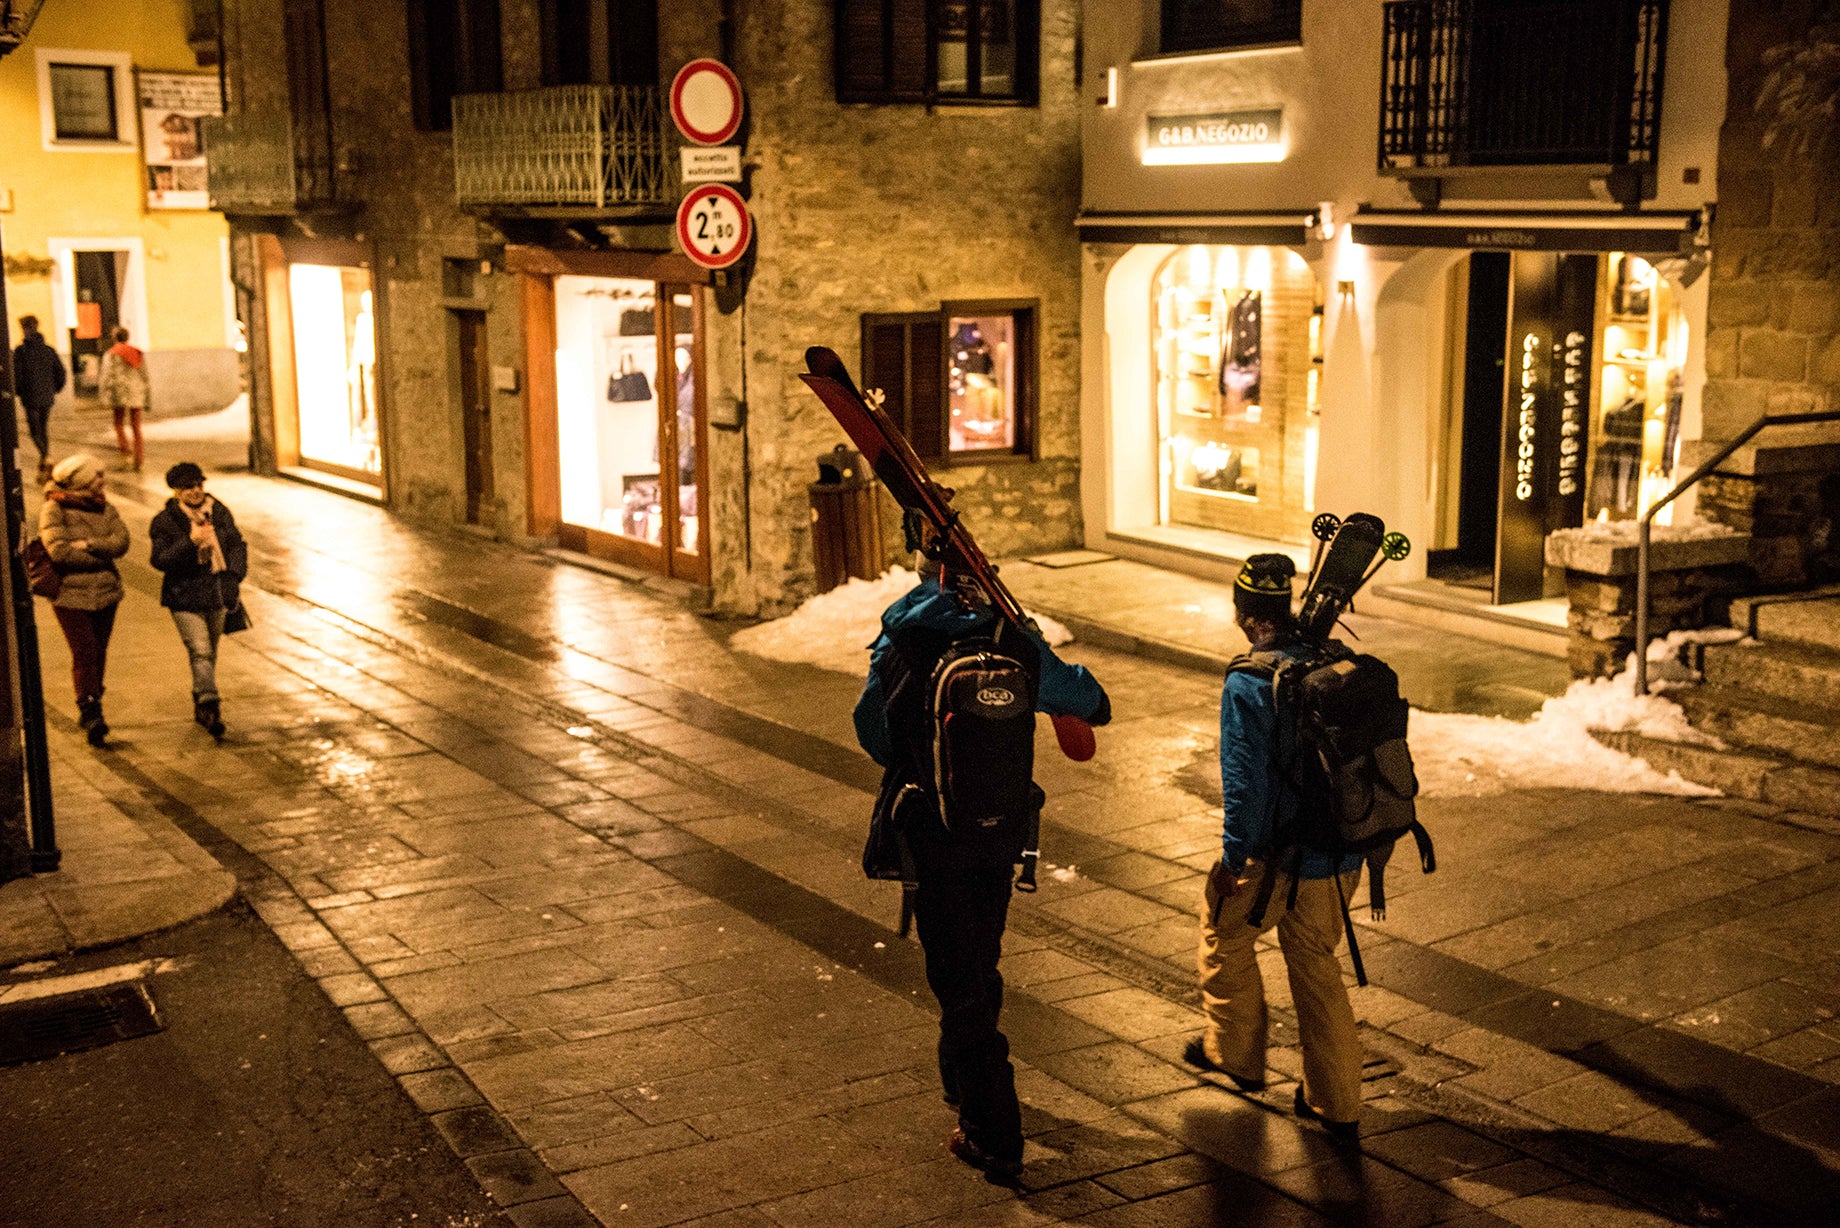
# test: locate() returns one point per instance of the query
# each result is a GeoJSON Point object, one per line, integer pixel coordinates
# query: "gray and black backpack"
{"type": "Point", "coordinates": [1351, 771]}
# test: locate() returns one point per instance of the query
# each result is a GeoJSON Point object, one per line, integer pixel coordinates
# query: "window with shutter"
{"type": "Point", "coordinates": [1208, 25]}
{"type": "Point", "coordinates": [453, 49]}
{"type": "Point", "coordinates": [936, 51]}
{"type": "Point", "coordinates": [959, 382]}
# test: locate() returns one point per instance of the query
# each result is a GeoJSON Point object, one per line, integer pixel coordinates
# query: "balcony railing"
{"type": "Point", "coordinates": [270, 162]}
{"type": "Point", "coordinates": [1535, 83]}
{"type": "Point", "coordinates": [582, 146]}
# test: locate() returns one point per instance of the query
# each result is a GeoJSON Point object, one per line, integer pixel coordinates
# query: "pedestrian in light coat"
{"type": "Point", "coordinates": [124, 389]}
{"type": "Point", "coordinates": [84, 535]}
{"type": "Point", "coordinates": [198, 547]}
{"type": "Point", "coordinates": [1259, 809]}
{"type": "Point", "coordinates": [38, 376]}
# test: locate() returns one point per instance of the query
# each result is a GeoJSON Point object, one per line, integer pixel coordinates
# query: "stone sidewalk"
{"type": "Point", "coordinates": [126, 870]}
{"type": "Point", "coordinates": [582, 874]}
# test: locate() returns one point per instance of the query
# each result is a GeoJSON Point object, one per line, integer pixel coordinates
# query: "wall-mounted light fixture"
{"type": "Point", "coordinates": [1322, 222]}
{"type": "Point", "coordinates": [1109, 98]}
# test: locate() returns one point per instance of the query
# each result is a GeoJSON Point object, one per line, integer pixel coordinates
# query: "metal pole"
{"type": "Point", "coordinates": [1642, 606]}
{"type": "Point", "coordinates": [45, 854]}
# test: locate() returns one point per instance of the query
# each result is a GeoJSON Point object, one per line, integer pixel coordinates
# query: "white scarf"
{"type": "Point", "coordinates": [209, 551]}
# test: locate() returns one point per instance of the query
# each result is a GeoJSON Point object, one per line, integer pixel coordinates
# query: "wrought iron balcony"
{"type": "Point", "coordinates": [1467, 84]}
{"type": "Point", "coordinates": [271, 163]}
{"type": "Point", "coordinates": [576, 147]}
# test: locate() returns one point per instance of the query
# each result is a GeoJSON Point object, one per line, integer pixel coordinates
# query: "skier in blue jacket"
{"type": "Point", "coordinates": [1257, 745]}
{"type": "Point", "coordinates": [961, 904]}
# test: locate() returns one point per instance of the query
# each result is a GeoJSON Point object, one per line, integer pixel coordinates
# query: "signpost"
{"type": "Point", "coordinates": [713, 226]}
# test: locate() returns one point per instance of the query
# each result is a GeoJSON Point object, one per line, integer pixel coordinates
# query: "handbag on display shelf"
{"type": "Point", "coordinates": [638, 322]}
{"type": "Point", "coordinates": [628, 383]}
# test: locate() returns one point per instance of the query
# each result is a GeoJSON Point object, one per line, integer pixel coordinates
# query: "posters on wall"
{"type": "Point", "coordinates": [172, 143]}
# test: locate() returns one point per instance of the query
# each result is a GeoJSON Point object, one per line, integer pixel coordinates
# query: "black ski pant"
{"type": "Point", "coordinates": [38, 424]}
{"type": "Point", "coordinates": [961, 914]}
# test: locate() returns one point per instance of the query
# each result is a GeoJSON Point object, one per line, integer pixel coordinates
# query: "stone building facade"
{"type": "Point", "coordinates": [860, 209]}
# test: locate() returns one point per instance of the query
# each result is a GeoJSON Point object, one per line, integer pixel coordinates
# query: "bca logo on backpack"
{"type": "Point", "coordinates": [983, 710]}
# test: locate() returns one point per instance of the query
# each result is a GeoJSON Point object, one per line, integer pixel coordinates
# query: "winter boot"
{"type": "Point", "coordinates": [209, 715]}
{"type": "Point", "coordinates": [89, 718]}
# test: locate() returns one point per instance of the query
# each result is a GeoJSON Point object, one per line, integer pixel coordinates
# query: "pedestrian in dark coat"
{"type": "Point", "coordinates": [961, 904]}
{"type": "Point", "coordinates": [198, 547]}
{"type": "Point", "coordinates": [38, 376]}
{"type": "Point", "coordinates": [84, 535]}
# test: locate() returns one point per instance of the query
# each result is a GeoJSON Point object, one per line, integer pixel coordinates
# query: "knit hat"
{"type": "Point", "coordinates": [76, 472]}
{"type": "Point", "coordinates": [184, 475]}
{"type": "Point", "coordinates": [1263, 588]}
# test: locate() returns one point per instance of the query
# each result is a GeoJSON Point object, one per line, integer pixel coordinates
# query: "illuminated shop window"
{"type": "Point", "coordinates": [960, 381]}
{"type": "Point", "coordinates": [1636, 439]}
{"type": "Point", "coordinates": [626, 422]}
{"type": "Point", "coordinates": [335, 366]}
{"type": "Point", "coordinates": [1237, 340]}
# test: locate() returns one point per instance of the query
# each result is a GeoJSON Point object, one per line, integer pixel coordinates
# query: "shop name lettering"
{"type": "Point", "coordinates": [1500, 238]}
{"type": "Point", "coordinates": [1223, 129]}
{"type": "Point", "coordinates": [1571, 410]}
{"type": "Point", "coordinates": [1524, 436]}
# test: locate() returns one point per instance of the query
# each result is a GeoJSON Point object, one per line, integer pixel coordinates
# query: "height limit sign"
{"type": "Point", "coordinates": [713, 226]}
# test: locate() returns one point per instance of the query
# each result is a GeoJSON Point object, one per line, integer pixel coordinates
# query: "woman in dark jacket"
{"type": "Point", "coordinates": [197, 545]}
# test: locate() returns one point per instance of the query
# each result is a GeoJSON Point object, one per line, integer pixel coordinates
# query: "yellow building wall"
{"type": "Point", "coordinates": [100, 194]}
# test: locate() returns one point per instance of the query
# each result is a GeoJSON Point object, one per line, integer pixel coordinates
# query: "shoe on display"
{"type": "Point", "coordinates": [962, 1147]}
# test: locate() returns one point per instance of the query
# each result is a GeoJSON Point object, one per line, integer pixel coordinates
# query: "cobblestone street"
{"type": "Point", "coordinates": [586, 881]}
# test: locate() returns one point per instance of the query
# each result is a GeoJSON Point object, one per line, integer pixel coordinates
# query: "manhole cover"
{"type": "Point", "coordinates": [46, 1027]}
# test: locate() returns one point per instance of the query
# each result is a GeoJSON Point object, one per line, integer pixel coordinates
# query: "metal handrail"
{"type": "Point", "coordinates": [1643, 525]}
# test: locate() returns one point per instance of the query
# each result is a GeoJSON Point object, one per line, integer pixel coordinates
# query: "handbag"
{"type": "Point", "coordinates": [628, 384]}
{"type": "Point", "coordinates": [42, 575]}
{"type": "Point", "coordinates": [236, 619]}
{"type": "Point", "coordinates": [638, 322]}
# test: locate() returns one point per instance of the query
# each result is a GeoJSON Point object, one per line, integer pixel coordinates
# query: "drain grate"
{"type": "Point", "coordinates": [34, 1030]}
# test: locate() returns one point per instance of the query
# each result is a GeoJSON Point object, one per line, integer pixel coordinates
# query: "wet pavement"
{"type": "Point", "coordinates": [580, 874]}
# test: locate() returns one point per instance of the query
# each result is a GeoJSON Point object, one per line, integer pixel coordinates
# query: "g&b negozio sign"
{"type": "Point", "coordinates": [1214, 136]}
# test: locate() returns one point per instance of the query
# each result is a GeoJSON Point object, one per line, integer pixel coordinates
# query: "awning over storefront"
{"type": "Point", "coordinates": [1255, 229]}
{"type": "Point", "coordinates": [1598, 231]}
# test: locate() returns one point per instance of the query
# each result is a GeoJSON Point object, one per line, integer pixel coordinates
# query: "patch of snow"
{"type": "Point", "coordinates": [1624, 533]}
{"type": "Point", "coordinates": [1459, 755]}
{"type": "Point", "coordinates": [834, 630]}
{"type": "Point", "coordinates": [1063, 874]}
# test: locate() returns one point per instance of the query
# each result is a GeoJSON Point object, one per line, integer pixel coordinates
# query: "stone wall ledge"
{"type": "Point", "coordinates": [1610, 550]}
{"type": "Point", "coordinates": [1814, 449]}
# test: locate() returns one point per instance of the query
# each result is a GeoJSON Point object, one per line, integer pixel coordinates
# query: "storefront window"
{"type": "Point", "coordinates": [1637, 436]}
{"type": "Point", "coordinates": [626, 412]}
{"type": "Point", "coordinates": [981, 382]}
{"type": "Point", "coordinates": [1237, 347]}
{"type": "Point", "coordinates": [335, 365]}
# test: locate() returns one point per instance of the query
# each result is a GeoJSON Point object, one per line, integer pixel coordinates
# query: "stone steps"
{"type": "Point", "coordinates": [1813, 620]}
{"type": "Point", "coordinates": [1739, 772]}
{"type": "Point", "coordinates": [1788, 671]}
{"type": "Point", "coordinates": [1778, 727]}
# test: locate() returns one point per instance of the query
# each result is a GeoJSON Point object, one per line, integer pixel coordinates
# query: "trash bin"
{"type": "Point", "coordinates": [846, 522]}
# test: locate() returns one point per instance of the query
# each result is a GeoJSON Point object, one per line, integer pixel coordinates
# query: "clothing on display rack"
{"type": "Point", "coordinates": [1239, 357]}
{"type": "Point", "coordinates": [1617, 469]}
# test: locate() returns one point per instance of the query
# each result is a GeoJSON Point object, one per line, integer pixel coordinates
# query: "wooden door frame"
{"type": "Point", "coordinates": [689, 565]}
{"type": "Point", "coordinates": [537, 270]}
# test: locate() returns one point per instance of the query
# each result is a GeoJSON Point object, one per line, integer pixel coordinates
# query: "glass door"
{"type": "Point", "coordinates": [628, 422]}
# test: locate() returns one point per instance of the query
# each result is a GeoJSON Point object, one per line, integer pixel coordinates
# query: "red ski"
{"type": "Point", "coordinates": [892, 459]}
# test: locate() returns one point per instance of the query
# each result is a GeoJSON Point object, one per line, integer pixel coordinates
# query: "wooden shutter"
{"type": "Point", "coordinates": [881, 51]}
{"type": "Point", "coordinates": [904, 356]}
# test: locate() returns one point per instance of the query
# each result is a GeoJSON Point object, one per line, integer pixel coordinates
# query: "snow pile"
{"type": "Point", "coordinates": [834, 630]}
{"type": "Point", "coordinates": [1625, 532]}
{"type": "Point", "coordinates": [1459, 755]}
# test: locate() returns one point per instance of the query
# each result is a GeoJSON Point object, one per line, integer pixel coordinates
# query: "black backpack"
{"type": "Point", "coordinates": [1352, 770]}
{"type": "Point", "coordinates": [961, 725]}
